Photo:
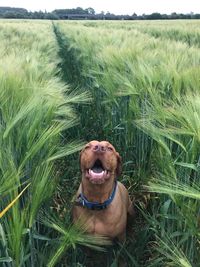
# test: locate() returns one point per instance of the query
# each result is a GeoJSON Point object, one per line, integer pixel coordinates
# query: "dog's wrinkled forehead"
{"type": "Point", "coordinates": [105, 144]}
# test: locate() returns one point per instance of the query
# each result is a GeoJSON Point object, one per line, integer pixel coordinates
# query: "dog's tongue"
{"type": "Point", "coordinates": [97, 173]}
{"type": "Point", "coordinates": [97, 169]}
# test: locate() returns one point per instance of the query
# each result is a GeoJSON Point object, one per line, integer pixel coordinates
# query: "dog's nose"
{"type": "Point", "coordinates": [99, 148]}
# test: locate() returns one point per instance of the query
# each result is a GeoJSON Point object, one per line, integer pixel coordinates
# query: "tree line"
{"type": "Point", "coordinates": [88, 13]}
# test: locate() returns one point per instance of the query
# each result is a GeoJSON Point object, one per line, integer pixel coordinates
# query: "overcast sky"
{"type": "Point", "coordinates": [113, 6]}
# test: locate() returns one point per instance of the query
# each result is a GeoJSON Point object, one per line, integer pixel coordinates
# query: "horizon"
{"type": "Point", "coordinates": [125, 8]}
{"type": "Point", "coordinates": [162, 13]}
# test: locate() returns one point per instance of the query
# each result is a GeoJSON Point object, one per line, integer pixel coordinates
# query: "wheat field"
{"type": "Point", "coordinates": [135, 84]}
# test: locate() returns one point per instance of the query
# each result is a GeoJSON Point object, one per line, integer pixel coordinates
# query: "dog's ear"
{"type": "Point", "coordinates": [119, 165]}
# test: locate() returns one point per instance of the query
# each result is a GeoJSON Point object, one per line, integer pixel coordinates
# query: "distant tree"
{"type": "Point", "coordinates": [51, 16]}
{"type": "Point", "coordinates": [173, 15]}
{"type": "Point", "coordinates": [134, 16]}
{"type": "Point", "coordinates": [9, 15]}
{"type": "Point", "coordinates": [154, 16]}
{"type": "Point", "coordinates": [181, 16]}
{"type": "Point", "coordinates": [9, 12]}
{"type": "Point", "coordinates": [165, 16]}
{"type": "Point", "coordinates": [90, 11]}
{"type": "Point", "coordinates": [64, 13]}
{"type": "Point", "coordinates": [37, 15]}
{"type": "Point", "coordinates": [111, 16]}
{"type": "Point", "coordinates": [80, 10]}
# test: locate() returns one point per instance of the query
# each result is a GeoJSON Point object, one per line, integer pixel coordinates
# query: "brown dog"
{"type": "Point", "coordinates": [100, 198]}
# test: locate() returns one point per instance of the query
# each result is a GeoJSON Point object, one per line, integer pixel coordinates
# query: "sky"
{"type": "Point", "coordinates": [117, 7]}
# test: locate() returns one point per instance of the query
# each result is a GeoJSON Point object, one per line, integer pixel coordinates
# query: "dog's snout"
{"type": "Point", "coordinates": [102, 148]}
{"type": "Point", "coordinates": [99, 148]}
{"type": "Point", "coordinates": [96, 148]}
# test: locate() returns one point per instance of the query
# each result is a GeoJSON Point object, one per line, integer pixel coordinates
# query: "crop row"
{"type": "Point", "coordinates": [35, 108]}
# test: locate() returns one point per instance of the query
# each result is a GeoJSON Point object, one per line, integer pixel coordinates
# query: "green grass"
{"type": "Point", "coordinates": [135, 84]}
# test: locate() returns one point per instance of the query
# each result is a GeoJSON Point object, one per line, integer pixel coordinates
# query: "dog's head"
{"type": "Point", "coordinates": [99, 162]}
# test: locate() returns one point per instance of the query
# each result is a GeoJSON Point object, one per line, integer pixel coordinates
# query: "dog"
{"type": "Point", "coordinates": [102, 199]}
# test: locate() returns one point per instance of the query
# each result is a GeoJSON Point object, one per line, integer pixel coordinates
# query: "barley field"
{"type": "Point", "coordinates": [136, 84]}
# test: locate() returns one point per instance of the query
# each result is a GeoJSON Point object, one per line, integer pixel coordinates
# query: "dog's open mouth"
{"type": "Point", "coordinates": [97, 173]}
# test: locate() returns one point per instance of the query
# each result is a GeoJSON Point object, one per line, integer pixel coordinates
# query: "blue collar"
{"type": "Point", "coordinates": [82, 201]}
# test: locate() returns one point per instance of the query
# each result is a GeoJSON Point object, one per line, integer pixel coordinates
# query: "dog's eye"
{"type": "Point", "coordinates": [110, 148]}
{"type": "Point", "coordinates": [87, 146]}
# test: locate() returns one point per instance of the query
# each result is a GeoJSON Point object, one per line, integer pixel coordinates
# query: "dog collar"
{"type": "Point", "coordinates": [83, 202]}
